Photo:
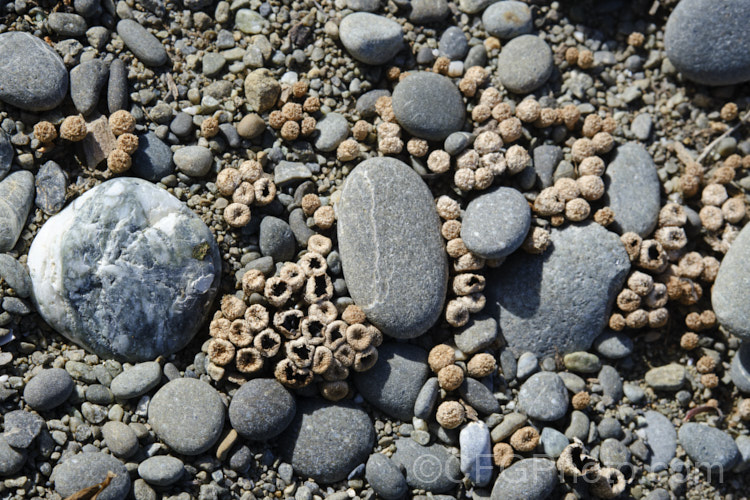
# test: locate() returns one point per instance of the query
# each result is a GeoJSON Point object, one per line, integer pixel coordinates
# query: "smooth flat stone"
{"type": "Point", "coordinates": [370, 38]}
{"type": "Point", "coordinates": [496, 223]}
{"type": "Point", "coordinates": [432, 468]}
{"type": "Point", "coordinates": [16, 197]}
{"type": "Point", "coordinates": [86, 83]}
{"type": "Point", "coordinates": [142, 43]}
{"type": "Point", "coordinates": [708, 447]}
{"type": "Point", "coordinates": [662, 440]}
{"type": "Point", "coordinates": [732, 287]}
{"type": "Point", "coordinates": [525, 64]}
{"type": "Point", "coordinates": [261, 409]}
{"type": "Point", "coordinates": [86, 469]}
{"type": "Point", "coordinates": [527, 479]}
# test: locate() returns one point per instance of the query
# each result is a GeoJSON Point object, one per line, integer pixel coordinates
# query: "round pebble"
{"type": "Point", "coordinates": [370, 38]}
{"type": "Point", "coordinates": [507, 19]}
{"type": "Point", "coordinates": [48, 389]}
{"type": "Point", "coordinates": [261, 409]}
{"type": "Point", "coordinates": [544, 397]}
{"type": "Point", "coordinates": [161, 470]}
{"type": "Point", "coordinates": [525, 64]}
{"type": "Point", "coordinates": [195, 161]}
{"type": "Point", "coordinates": [86, 469]}
{"type": "Point", "coordinates": [136, 381]}
{"type": "Point", "coordinates": [496, 223]}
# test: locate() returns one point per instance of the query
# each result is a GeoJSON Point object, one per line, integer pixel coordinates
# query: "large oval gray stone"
{"type": "Point", "coordinates": [16, 196]}
{"type": "Point", "coordinates": [126, 271]}
{"type": "Point", "coordinates": [707, 40]}
{"type": "Point", "coordinates": [326, 441]}
{"type": "Point", "coordinates": [370, 38]}
{"type": "Point", "coordinates": [558, 302]}
{"type": "Point", "coordinates": [87, 469]}
{"type": "Point", "coordinates": [732, 287]}
{"type": "Point", "coordinates": [392, 253]}
{"type": "Point", "coordinates": [525, 64]}
{"type": "Point", "coordinates": [32, 75]}
{"type": "Point", "coordinates": [708, 447]}
{"type": "Point", "coordinates": [430, 468]}
{"type": "Point", "coordinates": [496, 223]}
{"type": "Point", "coordinates": [428, 105]}
{"type": "Point", "coordinates": [633, 190]}
{"type": "Point", "coordinates": [528, 479]}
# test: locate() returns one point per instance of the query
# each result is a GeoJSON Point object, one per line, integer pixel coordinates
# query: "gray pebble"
{"type": "Point", "coordinates": [161, 470]}
{"type": "Point", "coordinates": [136, 381]}
{"type": "Point", "coordinates": [529, 479]}
{"type": "Point", "coordinates": [546, 158]}
{"type": "Point", "coordinates": [496, 223]}
{"type": "Point", "coordinates": [739, 369]}
{"type": "Point", "coordinates": [99, 394]}
{"type": "Point", "coordinates": [731, 285]}
{"type": "Point", "coordinates": [67, 25]}
{"type": "Point", "coordinates": [453, 44]}
{"type": "Point", "coordinates": [508, 364]}
{"type": "Point", "coordinates": [276, 239]}
{"type": "Point", "coordinates": [51, 186]}
{"type": "Point", "coordinates": [510, 424]}
{"type": "Point", "coordinates": [142, 43]}
{"type": "Point", "coordinates": [428, 11]}
{"type": "Point", "coordinates": [120, 439]}
{"type": "Point", "coordinates": [182, 124]}
{"type": "Point", "coordinates": [476, 453]}
{"type": "Point", "coordinates": [669, 377]}
{"type": "Point", "coordinates": [477, 56]}
{"type": "Point", "coordinates": [212, 64]}
{"type": "Point", "coordinates": [85, 469]}
{"type": "Point", "coordinates": [709, 448]}
{"type": "Point", "coordinates": [385, 477]}
{"type": "Point", "coordinates": [261, 409]}
{"type": "Point", "coordinates": [578, 427]}
{"type": "Point", "coordinates": [366, 102]}
{"type": "Point", "coordinates": [117, 88]}
{"type": "Point", "coordinates": [611, 383]}
{"type": "Point", "coordinates": [661, 439]}
{"type": "Point", "coordinates": [153, 159]}
{"type": "Point", "coordinates": [86, 83]}
{"type": "Point", "coordinates": [427, 398]}
{"type": "Point", "coordinates": [456, 142]}
{"type": "Point", "coordinates": [331, 130]}
{"type": "Point", "coordinates": [613, 345]}
{"type": "Point", "coordinates": [634, 393]}
{"type": "Point", "coordinates": [21, 428]}
{"type": "Point", "coordinates": [48, 389]}
{"type": "Point", "coordinates": [478, 333]}
{"type": "Point", "coordinates": [290, 171]}
{"type": "Point", "coordinates": [363, 5]}
{"type": "Point", "coordinates": [507, 19]}
{"type": "Point", "coordinates": [16, 198]}
{"type": "Point", "coordinates": [609, 428]}
{"type": "Point", "coordinates": [528, 364]}
{"type": "Point", "coordinates": [641, 126]}
{"type": "Point", "coordinates": [15, 275]}
{"type": "Point", "coordinates": [432, 468]}
{"type": "Point", "coordinates": [298, 224]}
{"type": "Point", "coordinates": [428, 105]}
{"type": "Point", "coordinates": [743, 445]}
{"type": "Point", "coordinates": [525, 64]}
{"type": "Point", "coordinates": [478, 396]}
{"type": "Point", "coordinates": [195, 161]}
{"type": "Point", "coordinates": [6, 154]}
{"type": "Point", "coordinates": [572, 382]}
{"type": "Point", "coordinates": [613, 453]}
{"type": "Point", "coordinates": [370, 38]}
{"type": "Point", "coordinates": [544, 397]}
{"type": "Point", "coordinates": [553, 442]}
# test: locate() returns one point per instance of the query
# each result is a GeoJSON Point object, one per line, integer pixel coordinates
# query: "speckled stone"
{"type": "Point", "coordinates": [145, 46]}
{"type": "Point", "coordinates": [86, 469]}
{"type": "Point", "coordinates": [633, 190]}
{"type": "Point", "coordinates": [110, 274]}
{"type": "Point", "coordinates": [496, 223]}
{"type": "Point", "coordinates": [559, 302]}
{"type": "Point", "coordinates": [507, 19]}
{"type": "Point", "coordinates": [432, 468]}
{"type": "Point", "coordinates": [21, 427]}
{"type": "Point", "coordinates": [525, 64]}
{"type": "Point", "coordinates": [370, 38]}
{"type": "Point", "coordinates": [16, 197]}
{"type": "Point", "coordinates": [120, 439]}
{"type": "Point", "coordinates": [11, 459]}
{"type": "Point", "coordinates": [188, 415]}
{"type": "Point", "coordinates": [544, 397]}
{"type": "Point", "coordinates": [136, 381]}
{"type": "Point", "coordinates": [661, 439]}
{"type": "Point", "coordinates": [385, 477]}
{"type": "Point", "coordinates": [32, 75]}
{"type": "Point", "coordinates": [392, 253]}
{"type": "Point", "coordinates": [326, 441]}
{"type": "Point", "coordinates": [708, 447]}
{"type": "Point", "coordinates": [428, 105]}
{"type": "Point", "coordinates": [48, 389]}
{"type": "Point", "coordinates": [261, 409]}
{"type": "Point", "coordinates": [732, 287]}
{"type": "Point", "coordinates": [161, 470]}
{"type": "Point", "coordinates": [6, 154]}
{"type": "Point", "coordinates": [527, 479]}
{"type": "Point", "coordinates": [51, 185]}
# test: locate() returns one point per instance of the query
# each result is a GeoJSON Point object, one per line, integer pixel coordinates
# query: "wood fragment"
{"type": "Point", "coordinates": [702, 409]}
{"type": "Point", "coordinates": [91, 492]}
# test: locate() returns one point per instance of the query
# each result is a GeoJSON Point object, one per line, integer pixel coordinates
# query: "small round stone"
{"type": "Point", "coordinates": [496, 223]}
{"type": "Point", "coordinates": [428, 106]}
{"type": "Point", "coordinates": [120, 439]}
{"type": "Point", "coordinates": [48, 389]}
{"type": "Point", "coordinates": [195, 161]}
{"type": "Point", "coordinates": [261, 409]}
{"type": "Point", "coordinates": [161, 470]}
{"type": "Point", "coordinates": [507, 19]}
{"type": "Point", "coordinates": [525, 64]}
{"type": "Point", "coordinates": [370, 38]}
{"type": "Point", "coordinates": [385, 477]}
{"type": "Point", "coordinates": [87, 469]}
{"type": "Point", "coordinates": [544, 397]}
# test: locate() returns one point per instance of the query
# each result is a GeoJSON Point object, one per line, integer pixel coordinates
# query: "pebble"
{"type": "Point", "coordinates": [573, 382]}
{"type": "Point", "coordinates": [538, 309]}
{"type": "Point", "coordinates": [731, 285]}
{"type": "Point", "coordinates": [634, 393]}
{"type": "Point", "coordinates": [331, 130]}
{"type": "Point", "coordinates": [709, 448]}
{"type": "Point", "coordinates": [250, 22]}
{"type": "Point", "coordinates": [101, 306]}
{"type": "Point", "coordinates": [99, 394]}
{"type": "Point", "coordinates": [117, 87]}
{"type": "Point", "coordinates": [743, 446]}
{"type": "Point", "coordinates": [529, 479]}
{"type": "Point", "coordinates": [507, 19]}
{"type": "Point", "coordinates": [11, 459]}
{"type": "Point", "coordinates": [363, 5]}
{"type": "Point", "coordinates": [16, 198]}
{"type": "Point", "coordinates": [298, 223]}
{"type": "Point", "coordinates": [473, 6]}
{"type": "Point", "coordinates": [476, 453]}
{"type": "Point", "coordinates": [21, 428]}
{"type": "Point", "coordinates": [706, 41]}
{"type": "Point", "coordinates": [477, 56]}
{"type": "Point", "coordinates": [136, 381]}
{"type": "Point", "coordinates": [120, 439]}
{"type": "Point", "coordinates": [337, 438]}
{"type": "Point", "coordinates": [612, 453]}
{"type": "Point", "coordinates": [290, 171]}
{"type": "Point", "coordinates": [661, 438]}
{"type": "Point", "coordinates": [582, 362]}
{"type": "Point", "coordinates": [739, 369]}
{"type": "Point", "coordinates": [546, 158]}
{"type": "Point", "coordinates": [428, 11]}
{"type": "Point", "coordinates": [544, 397]}
{"type": "Point", "coordinates": [48, 389]}
{"type": "Point", "coordinates": [609, 427]}
{"type": "Point", "coordinates": [428, 105]}
{"type": "Point", "coordinates": [15, 275]}
{"type": "Point", "coordinates": [553, 442]}
{"type": "Point", "coordinates": [86, 469]}
{"type": "Point", "coordinates": [195, 161]}
{"type": "Point", "coordinates": [6, 154]}
{"type": "Point", "coordinates": [145, 46]}
{"type": "Point", "coordinates": [578, 427]}
{"type": "Point", "coordinates": [633, 190]}
{"type": "Point", "coordinates": [479, 396]}
{"type": "Point", "coordinates": [525, 64]}
{"type": "Point", "coordinates": [394, 383]}
{"type": "Point", "coordinates": [366, 102]}
{"type": "Point", "coordinates": [261, 409]}
{"type": "Point", "coordinates": [457, 142]}
{"type": "Point", "coordinates": [67, 25]}
{"type": "Point", "coordinates": [510, 424]}
{"type": "Point", "coordinates": [383, 234]}
{"type": "Point", "coordinates": [528, 364]}
{"type": "Point", "coordinates": [385, 477]}
{"type": "Point", "coordinates": [276, 239]}
{"type": "Point", "coordinates": [370, 38]}
{"type": "Point", "coordinates": [641, 126]}
{"type": "Point", "coordinates": [51, 185]}
{"type": "Point", "coordinates": [453, 44]}
{"type": "Point", "coordinates": [432, 468]}
{"type": "Point", "coordinates": [611, 383]}
{"type": "Point", "coordinates": [212, 64]}
{"type": "Point", "coordinates": [153, 159]}
{"type": "Point", "coordinates": [669, 377]}
{"type": "Point", "coordinates": [480, 332]}
{"type": "Point", "coordinates": [613, 345]}
{"type": "Point", "coordinates": [496, 223]}
{"type": "Point", "coordinates": [251, 126]}
{"type": "Point", "coordinates": [86, 83]}
{"type": "Point", "coordinates": [161, 470]}
{"type": "Point", "coordinates": [427, 398]}
{"type": "Point", "coordinates": [188, 415]}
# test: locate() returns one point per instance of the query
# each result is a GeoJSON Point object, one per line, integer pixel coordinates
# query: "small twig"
{"type": "Point", "coordinates": [708, 148]}
{"type": "Point", "coordinates": [702, 409]}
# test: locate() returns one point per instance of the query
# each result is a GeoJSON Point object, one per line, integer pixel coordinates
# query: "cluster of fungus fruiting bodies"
{"type": "Point", "coordinates": [247, 185]}
{"type": "Point", "coordinates": [295, 118]}
{"type": "Point", "coordinates": [297, 333]}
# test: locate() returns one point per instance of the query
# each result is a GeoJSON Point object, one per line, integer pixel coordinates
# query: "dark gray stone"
{"type": "Point", "coordinates": [86, 469]}
{"type": "Point", "coordinates": [476, 453]}
{"type": "Point", "coordinates": [286, 172]}
{"type": "Point", "coordinates": [632, 190]}
{"type": "Point", "coordinates": [182, 124]}
{"type": "Point", "coordinates": [608, 428]}
{"type": "Point", "coordinates": [87, 8]}
{"type": "Point", "coordinates": [496, 223]}
{"type": "Point", "coordinates": [546, 158]}
{"type": "Point", "coordinates": [428, 11]}
{"type": "Point", "coordinates": [51, 186]}
{"type": "Point", "coordinates": [331, 130]}
{"type": "Point", "coordinates": [709, 448]}
{"type": "Point", "coordinates": [661, 438]}
{"type": "Point", "coordinates": [11, 459]}
{"type": "Point", "coordinates": [16, 198]}
{"type": "Point", "coordinates": [528, 479]}
{"type": "Point", "coordinates": [525, 64]}
{"type": "Point", "coordinates": [611, 382]}
{"type": "Point", "coordinates": [131, 289]}
{"type": "Point", "coordinates": [136, 381]}
{"type": "Point", "coordinates": [195, 161]}
{"type": "Point", "coordinates": [432, 468]}
{"type": "Point", "coordinates": [67, 25]}
{"type": "Point", "coordinates": [86, 83]}
{"type": "Point", "coordinates": [613, 453]}
{"type": "Point", "coordinates": [117, 88]}
{"type": "Point", "coordinates": [48, 389]}
{"type": "Point", "coordinates": [6, 154]}
{"type": "Point", "coordinates": [161, 470]}
{"type": "Point", "coordinates": [507, 19]}
{"type": "Point", "coordinates": [370, 38]}
{"type": "Point", "coordinates": [366, 102]}
{"type": "Point", "coordinates": [383, 234]}
{"type": "Point", "coordinates": [732, 286]}
{"type": "Point", "coordinates": [428, 105]}
{"type": "Point", "coordinates": [457, 142]}
{"type": "Point", "coordinates": [32, 75]}
{"type": "Point", "coordinates": [453, 44]}
{"type": "Point", "coordinates": [120, 439]}
{"type": "Point", "coordinates": [99, 394]}
{"type": "Point", "coordinates": [297, 221]}
{"type": "Point", "coordinates": [707, 41]}
{"type": "Point", "coordinates": [385, 477]}
{"type": "Point", "coordinates": [613, 345]}
{"type": "Point", "coordinates": [477, 56]}
{"type": "Point", "coordinates": [15, 275]}
{"type": "Point", "coordinates": [739, 369]}
{"type": "Point", "coordinates": [326, 441]}
{"type": "Point", "coordinates": [553, 441]}
{"type": "Point", "coordinates": [478, 333]}
{"type": "Point", "coordinates": [145, 46]}
{"type": "Point", "coordinates": [427, 397]}
{"type": "Point", "coordinates": [479, 396]}
{"type": "Point", "coordinates": [540, 310]}
{"type": "Point", "coordinates": [188, 415]}
{"type": "Point", "coordinates": [394, 383]}
{"type": "Point", "coordinates": [276, 239]}
{"type": "Point", "coordinates": [153, 159]}
{"type": "Point", "coordinates": [544, 397]}
{"type": "Point", "coordinates": [261, 409]}
{"type": "Point", "coordinates": [21, 428]}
